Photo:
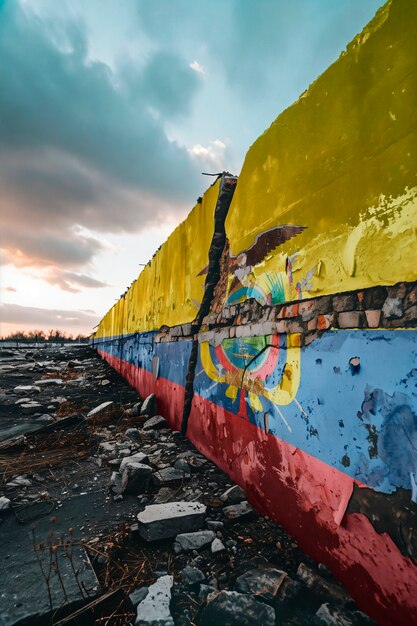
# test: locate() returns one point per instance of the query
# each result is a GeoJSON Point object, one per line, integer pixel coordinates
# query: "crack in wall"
{"type": "Point", "coordinates": [218, 242]}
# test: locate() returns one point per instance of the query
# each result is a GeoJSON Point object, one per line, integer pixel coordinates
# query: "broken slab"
{"type": "Point", "coordinates": [154, 609]}
{"type": "Point", "coordinates": [169, 475]}
{"type": "Point", "coordinates": [149, 406]}
{"type": "Point", "coordinates": [139, 457]}
{"type": "Point", "coordinates": [194, 541]}
{"type": "Point", "coordinates": [155, 423]}
{"type": "Point", "coordinates": [238, 511]}
{"type": "Point", "coordinates": [236, 609]}
{"type": "Point", "coordinates": [101, 409]}
{"type": "Point", "coordinates": [136, 478]}
{"type": "Point", "coordinates": [264, 582]}
{"type": "Point", "coordinates": [233, 495]}
{"type": "Point", "coordinates": [27, 389]}
{"type": "Point", "coordinates": [163, 521]}
{"type": "Point", "coordinates": [49, 382]}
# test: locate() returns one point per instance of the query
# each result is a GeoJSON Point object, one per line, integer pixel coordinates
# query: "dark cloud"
{"type": "Point", "coordinates": [167, 83]}
{"type": "Point", "coordinates": [56, 318]}
{"type": "Point", "coordinates": [81, 145]}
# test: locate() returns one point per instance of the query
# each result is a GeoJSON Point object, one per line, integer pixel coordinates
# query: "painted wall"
{"type": "Point", "coordinates": [302, 374]}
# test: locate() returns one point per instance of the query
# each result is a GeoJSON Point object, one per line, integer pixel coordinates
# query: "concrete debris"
{"type": "Point", "coordinates": [192, 575]}
{"type": "Point", "coordinates": [101, 409]}
{"type": "Point", "coordinates": [31, 407]}
{"type": "Point", "coordinates": [264, 582]}
{"type": "Point", "coordinates": [5, 503]}
{"type": "Point", "coordinates": [238, 511]}
{"type": "Point", "coordinates": [321, 586]}
{"type": "Point", "coordinates": [169, 475]}
{"type": "Point", "coordinates": [233, 495]}
{"type": "Point", "coordinates": [47, 382]}
{"type": "Point", "coordinates": [162, 521]}
{"type": "Point", "coordinates": [138, 494]}
{"type": "Point", "coordinates": [138, 457]}
{"type": "Point", "coordinates": [136, 478]}
{"type": "Point", "coordinates": [236, 609]}
{"type": "Point", "coordinates": [155, 423]}
{"type": "Point", "coordinates": [154, 609]}
{"type": "Point", "coordinates": [194, 541]}
{"type": "Point", "coordinates": [149, 406]}
{"type": "Point", "coordinates": [217, 546]}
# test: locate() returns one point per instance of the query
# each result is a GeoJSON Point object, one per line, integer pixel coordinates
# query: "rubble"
{"type": "Point", "coordinates": [166, 537]}
{"type": "Point", "coordinates": [162, 521]}
{"type": "Point", "coordinates": [194, 541]}
{"type": "Point", "coordinates": [231, 608]}
{"type": "Point", "coordinates": [154, 609]}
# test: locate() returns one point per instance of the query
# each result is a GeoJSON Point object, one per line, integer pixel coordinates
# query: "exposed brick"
{"type": "Point", "coordinates": [295, 326]}
{"type": "Point", "coordinates": [374, 298]}
{"type": "Point", "coordinates": [397, 291]}
{"type": "Point", "coordinates": [312, 324]}
{"type": "Point", "coordinates": [411, 314]}
{"type": "Point", "coordinates": [282, 326]}
{"type": "Point", "coordinates": [411, 297]}
{"type": "Point", "coordinates": [350, 319]}
{"type": "Point", "coordinates": [373, 318]}
{"type": "Point", "coordinates": [288, 311]}
{"type": "Point", "coordinates": [325, 321]}
{"type": "Point", "coordinates": [345, 302]}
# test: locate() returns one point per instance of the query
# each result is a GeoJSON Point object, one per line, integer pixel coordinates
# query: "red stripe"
{"type": "Point", "coordinates": [305, 495]}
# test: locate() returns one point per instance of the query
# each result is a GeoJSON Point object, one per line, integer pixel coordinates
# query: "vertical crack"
{"type": "Point", "coordinates": [227, 188]}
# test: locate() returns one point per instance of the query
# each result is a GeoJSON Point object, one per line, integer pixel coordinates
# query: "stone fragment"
{"type": "Point", "coordinates": [49, 382]}
{"type": "Point", "coordinates": [27, 389]}
{"type": "Point", "coordinates": [217, 546]}
{"type": "Point", "coordinates": [155, 423]}
{"type": "Point", "coordinates": [139, 457]}
{"type": "Point", "coordinates": [332, 616]}
{"type": "Point", "coordinates": [264, 582]}
{"type": "Point", "coordinates": [169, 475]}
{"type": "Point", "coordinates": [206, 591]}
{"type": "Point", "coordinates": [133, 434]}
{"type": "Point", "coordinates": [136, 478]}
{"type": "Point", "coordinates": [320, 586]}
{"type": "Point", "coordinates": [163, 495]}
{"type": "Point", "coordinates": [116, 482]}
{"type": "Point", "coordinates": [149, 406]}
{"type": "Point", "coordinates": [194, 541]}
{"type": "Point", "coordinates": [192, 575]}
{"type": "Point", "coordinates": [393, 308]}
{"type": "Point", "coordinates": [233, 495]}
{"type": "Point", "coordinates": [154, 609]}
{"type": "Point", "coordinates": [101, 409]}
{"type": "Point", "coordinates": [31, 407]}
{"type": "Point", "coordinates": [162, 521]}
{"type": "Point", "coordinates": [5, 503]}
{"type": "Point", "coordinates": [105, 382]}
{"type": "Point", "coordinates": [238, 511]}
{"type": "Point", "coordinates": [236, 609]}
{"type": "Point", "coordinates": [137, 595]}
{"type": "Point", "coordinates": [214, 525]}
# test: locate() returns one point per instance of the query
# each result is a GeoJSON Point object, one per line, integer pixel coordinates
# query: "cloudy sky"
{"type": "Point", "coordinates": [109, 112]}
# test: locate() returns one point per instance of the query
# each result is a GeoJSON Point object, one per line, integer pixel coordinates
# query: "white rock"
{"type": "Point", "coordinates": [46, 382]}
{"type": "Point", "coordinates": [217, 546]}
{"type": "Point", "coordinates": [154, 609]}
{"type": "Point", "coordinates": [27, 388]}
{"type": "Point", "coordinates": [4, 503]}
{"type": "Point", "coordinates": [101, 409]}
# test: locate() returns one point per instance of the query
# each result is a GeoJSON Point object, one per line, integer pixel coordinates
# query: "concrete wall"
{"type": "Point", "coordinates": [276, 325]}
